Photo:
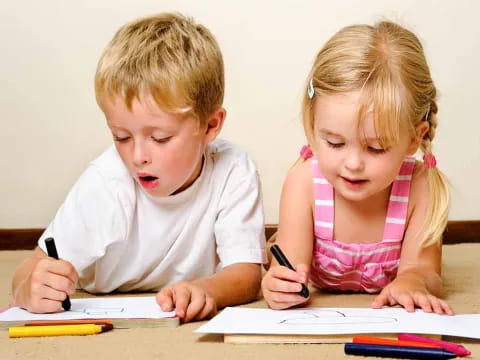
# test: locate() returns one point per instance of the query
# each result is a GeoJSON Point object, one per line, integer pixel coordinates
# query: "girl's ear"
{"type": "Point", "coordinates": [215, 124]}
{"type": "Point", "coordinates": [420, 132]}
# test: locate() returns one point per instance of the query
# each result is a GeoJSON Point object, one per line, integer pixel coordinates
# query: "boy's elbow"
{"type": "Point", "coordinates": [256, 281]}
{"type": "Point", "coordinates": [252, 275]}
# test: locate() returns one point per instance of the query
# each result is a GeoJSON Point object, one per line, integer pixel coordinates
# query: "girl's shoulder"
{"type": "Point", "coordinates": [419, 178]}
{"type": "Point", "coordinates": [300, 175]}
{"type": "Point", "coordinates": [418, 187]}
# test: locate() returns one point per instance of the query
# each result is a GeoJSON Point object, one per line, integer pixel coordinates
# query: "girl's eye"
{"type": "Point", "coordinates": [120, 139]}
{"type": "Point", "coordinates": [162, 140]}
{"type": "Point", "coordinates": [334, 145]}
{"type": "Point", "coordinates": [377, 150]}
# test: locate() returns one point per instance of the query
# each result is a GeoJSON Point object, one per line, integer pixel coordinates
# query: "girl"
{"type": "Point", "coordinates": [359, 213]}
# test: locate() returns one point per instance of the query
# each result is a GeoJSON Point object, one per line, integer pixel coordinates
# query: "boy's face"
{"type": "Point", "coordinates": [162, 151]}
{"type": "Point", "coordinates": [351, 158]}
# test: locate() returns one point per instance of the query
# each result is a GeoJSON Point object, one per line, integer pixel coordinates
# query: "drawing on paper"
{"type": "Point", "coordinates": [334, 317]}
{"type": "Point", "coordinates": [101, 311]}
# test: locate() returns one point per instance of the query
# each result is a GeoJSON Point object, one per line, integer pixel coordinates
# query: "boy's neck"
{"type": "Point", "coordinates": [196, 174]}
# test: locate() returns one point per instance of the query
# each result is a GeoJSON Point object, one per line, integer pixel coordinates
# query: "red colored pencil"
{"type": "Point", "coordinates": [364, 339]}
{"type": "Point", "coordinates": [69, 322]}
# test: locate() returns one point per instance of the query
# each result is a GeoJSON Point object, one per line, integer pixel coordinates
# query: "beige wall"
{"type": "Point", "coordinates": [51, 127]}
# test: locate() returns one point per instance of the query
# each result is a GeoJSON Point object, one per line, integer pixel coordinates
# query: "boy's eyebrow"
{"type": "Point", "coordinates": [165, 129]}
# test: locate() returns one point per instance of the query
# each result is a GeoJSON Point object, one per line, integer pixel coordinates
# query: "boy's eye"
{"type": "Point", "coordinates": [120, 138]}
{"type": "Point", "coordinates": [334, 144]}
{"type": "Point", "coordinates": [162, 140]}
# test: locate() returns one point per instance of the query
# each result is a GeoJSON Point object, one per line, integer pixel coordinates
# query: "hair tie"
{"type": "Point", "coordinates": [306, 152]}
{"type": "Point", "coordinates": [429, 161]}
{"type": "Point", "coordinates": [311, 90]}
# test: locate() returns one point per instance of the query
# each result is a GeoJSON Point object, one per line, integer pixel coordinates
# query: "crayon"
{"type": "Point", "coordinates": [399, 352]}
{"type": "Point", "coordinates": [57, 330]}
{"type": "Point", "coordinates": [68, 322]}
{"type": "Point", "coordinates": [364, 339]}
{"type": "Point", "coordinates": [455, 348]}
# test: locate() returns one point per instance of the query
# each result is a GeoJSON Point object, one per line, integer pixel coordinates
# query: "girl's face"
{"type": "Point", "coordinates": [162, 151]}
{"type": "Point", "coordinates": [351, 158]}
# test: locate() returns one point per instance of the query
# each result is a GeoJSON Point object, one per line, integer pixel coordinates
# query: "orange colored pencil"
{"type": "Point", "coordinates": [364, 339]}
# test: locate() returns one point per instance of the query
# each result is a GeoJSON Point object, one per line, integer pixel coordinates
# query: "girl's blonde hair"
{"type": "Point", "coordinates": [168, 56]}
{"type": "Point", "coordinates": [386, 63]}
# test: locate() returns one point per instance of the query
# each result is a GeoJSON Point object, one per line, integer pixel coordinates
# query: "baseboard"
{"type": "Point", "coordinates": [19, 239]}
{"type": "Point", "coordinates": [26, 239]}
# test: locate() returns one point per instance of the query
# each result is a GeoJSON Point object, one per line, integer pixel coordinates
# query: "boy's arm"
{"type": "Point", "coordinates": [201, 299]}
{"type": "Point", "coordinates": [41, 283]}
{"type": "Point", "coordinates": [239, 233]}
{"type": "Point", "coordinates": [25, 269]}
{"type": "Point", "coordinates": [233, 285]}
{"type": "Point", "coordinates": [418, 282]}
{"type": "Point", "coordinates": [92, 217]}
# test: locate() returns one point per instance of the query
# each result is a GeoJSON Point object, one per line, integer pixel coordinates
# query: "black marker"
{"type": "Point", "coordinates": [282, 260]}
{"type": "Point", "coordinates": [52, 252]}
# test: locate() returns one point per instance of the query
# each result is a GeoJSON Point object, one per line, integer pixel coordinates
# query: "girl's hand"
{"type": "Point", "coordinates": [190, 301]}
{"type": "Point", "coordinates": [47, 286]}
{"type": "Point", "coordinates": [409, 291]}
{"type": "Point", "coordinates": [281, 286]}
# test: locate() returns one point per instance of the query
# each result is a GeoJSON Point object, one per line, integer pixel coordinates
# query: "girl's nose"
{"type": "Point", "coordinates": [354, 161]}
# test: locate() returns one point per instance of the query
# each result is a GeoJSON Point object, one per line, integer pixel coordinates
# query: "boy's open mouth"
{"type": "Point", "coordinates": [148, 181]}
{"type": "Point", "coordinates": [148, 178]}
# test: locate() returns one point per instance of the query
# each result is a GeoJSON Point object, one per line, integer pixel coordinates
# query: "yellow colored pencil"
{"type": "Point", "coordinates": [57, 330]}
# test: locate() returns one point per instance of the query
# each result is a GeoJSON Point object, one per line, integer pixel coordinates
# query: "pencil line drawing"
{"type": "Point", "coordinates": [334, 317]}
{"type": "Point", "coordinates": [96, 311]}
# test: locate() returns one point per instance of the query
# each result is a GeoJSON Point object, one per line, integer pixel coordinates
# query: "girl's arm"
{"type": "Point", "coordinates": [295, 237]}
{"type": "Point", "coordinates": [418, 282]}
{"type": "Point", "coordinates": [295, 232]}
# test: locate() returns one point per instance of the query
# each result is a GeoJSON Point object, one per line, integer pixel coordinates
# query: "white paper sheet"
{"type": "Point", "coordinates": [333, 321]}
{"type": "Point", "coordinates": [97, 308]}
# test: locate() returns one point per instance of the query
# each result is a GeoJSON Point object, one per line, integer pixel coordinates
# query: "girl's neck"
{"type": "Point", "coordinates": [367, 207]}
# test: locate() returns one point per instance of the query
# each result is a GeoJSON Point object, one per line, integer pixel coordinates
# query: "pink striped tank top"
{"type": "Point", "coordinates": [354, 266]}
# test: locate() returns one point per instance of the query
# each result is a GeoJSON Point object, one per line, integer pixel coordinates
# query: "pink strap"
{"type": "Point", "coordinates": [306, 152]}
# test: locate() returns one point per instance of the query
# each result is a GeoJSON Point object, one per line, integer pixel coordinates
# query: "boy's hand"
{"type": "Point", "coordinates": [47, 286]}
{"type": "Point", "coordinates": [190, 301]}
{"type": "Point", "coordinates": [281, 286]}
{"type": "Point", "coordinates": [410, 292]}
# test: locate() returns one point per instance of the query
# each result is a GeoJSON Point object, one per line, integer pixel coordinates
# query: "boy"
{"type": "Point", "coordinates": [168, 207]}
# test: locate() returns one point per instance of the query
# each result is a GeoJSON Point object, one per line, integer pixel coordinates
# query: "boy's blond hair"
{"type": "Point", "coordinates": [387, 64]}
{"type": "Point", "coordinates": [167, 56]}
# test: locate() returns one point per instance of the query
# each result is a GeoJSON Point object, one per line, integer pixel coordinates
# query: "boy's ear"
{"type": "Point", "coordinates": [215, 124]}
{"type": "Point", "coordinates": [420, 132]}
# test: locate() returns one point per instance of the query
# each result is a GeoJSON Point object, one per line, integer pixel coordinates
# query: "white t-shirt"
{"type": "Point", "coordinates": [118, 237]}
